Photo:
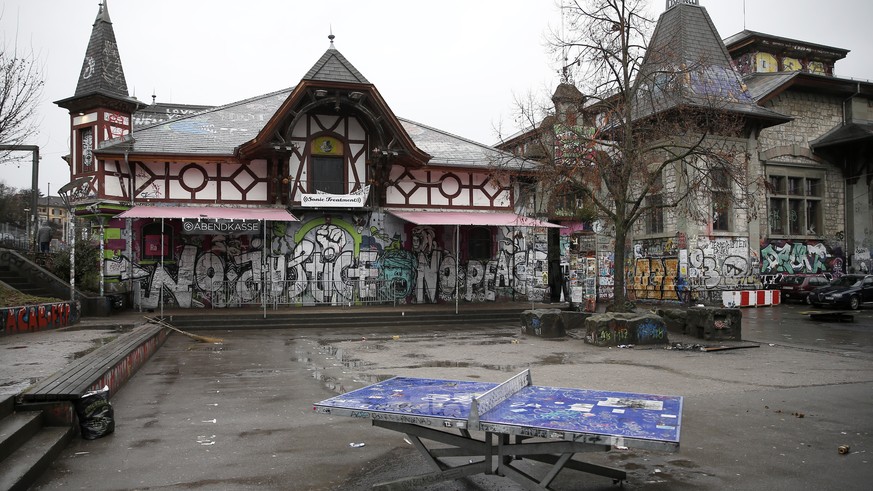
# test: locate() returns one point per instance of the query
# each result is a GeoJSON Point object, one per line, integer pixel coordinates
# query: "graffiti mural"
{"type": "Point", "coordinates": [793, 257]}
{"type": "Point", "coordinates": [654, 270]}
{"type": "Point", "coordinates": [714, 264]}
{"type": "Point", "coordinates": [655, 278]}
{"type": "Point", "coordinates": [721, 264]}
{"type": "Point", "coordinates": [32, 318]}
{"type": "Point", "coordinates": [336, 261]}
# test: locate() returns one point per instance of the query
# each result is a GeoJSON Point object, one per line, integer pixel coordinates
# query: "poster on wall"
{"type": "Point", "coordinates": [152, 245]}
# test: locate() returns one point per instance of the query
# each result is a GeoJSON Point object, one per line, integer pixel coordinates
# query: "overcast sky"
{"type": "Point", "coordinates": [456, 65]}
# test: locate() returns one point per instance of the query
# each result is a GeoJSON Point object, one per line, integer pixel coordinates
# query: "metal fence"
{"type": "Point", "coordinates": [277, 294]}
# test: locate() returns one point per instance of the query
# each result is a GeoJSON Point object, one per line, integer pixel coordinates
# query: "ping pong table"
{"type": "Point", "coordinates": [519, 420]}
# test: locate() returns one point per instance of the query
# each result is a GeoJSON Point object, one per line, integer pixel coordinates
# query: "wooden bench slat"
{"type": "Point", "coordinates": [75, 379]}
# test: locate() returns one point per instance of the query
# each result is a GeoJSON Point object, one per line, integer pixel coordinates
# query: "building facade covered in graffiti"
{"type": "Point", "coordinates": [315, 194]}
{"type": "Point", "coordinates": [812, 214]}
{"type": "Point", "coordinates": [320, 194]}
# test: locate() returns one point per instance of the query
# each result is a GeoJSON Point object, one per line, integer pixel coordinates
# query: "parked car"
{"type": "Point", "coordinates": [797, 286]}
{"type": "Point", "coordinates": [849, 290]}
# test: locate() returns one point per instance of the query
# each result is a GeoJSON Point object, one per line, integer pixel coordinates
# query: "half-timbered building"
{"type": "Point", "coordinates": [314, 194]}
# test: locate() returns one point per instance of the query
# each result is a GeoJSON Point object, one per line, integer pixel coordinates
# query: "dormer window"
{"type": "Point", "coordinates": [328, 166]}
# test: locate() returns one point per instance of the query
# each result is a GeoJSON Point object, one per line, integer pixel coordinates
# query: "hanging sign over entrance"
{"type": "Point", "coordinates": [221, 227]}
{"type": "Point", "coordinates": [333, 200]}
{"type": "Point", "coordinates": [326, 200]}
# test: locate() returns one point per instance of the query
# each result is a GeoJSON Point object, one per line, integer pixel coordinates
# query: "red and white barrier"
{"type": "Point", "coordinates": [751, 298]}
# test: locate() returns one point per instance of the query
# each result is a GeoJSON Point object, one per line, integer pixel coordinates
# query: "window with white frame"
{"type": "Point", "coordinates": [795, 202]}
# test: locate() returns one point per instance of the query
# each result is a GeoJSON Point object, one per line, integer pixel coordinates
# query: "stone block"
{"type": "Point", "coordinates": [714, 324]}
{"type": "Point", "coordinates": [616, 329]}
{"type": "Point", "coordinates": [674, 319]}
{"type": "Point", "coordinates": [544, 323]}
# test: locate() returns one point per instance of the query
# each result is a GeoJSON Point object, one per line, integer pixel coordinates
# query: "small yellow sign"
{"type": "Point", "coordinates": [326, 145]}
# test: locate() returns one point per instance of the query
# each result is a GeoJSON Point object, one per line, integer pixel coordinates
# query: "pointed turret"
{"type": "Point", "coordinates": [687, 64]}
{"type": "Point", "coordinates": [101, 70]}
{"type": "Point", "coordinates": [101, 108]}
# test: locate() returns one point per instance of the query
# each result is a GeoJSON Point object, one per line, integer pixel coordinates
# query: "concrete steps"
{"type": "Point", "coordinates": [23, 284]}
{"type": "Point", "coordinates": [395, 317]}
{"type": "Point", "coordinates": [27, 445]}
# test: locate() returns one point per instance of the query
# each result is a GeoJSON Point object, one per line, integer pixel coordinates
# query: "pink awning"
{"type": "Point", "coordinates": [484, 218]}
{"type": "Point", "coordinates": [209, 213]}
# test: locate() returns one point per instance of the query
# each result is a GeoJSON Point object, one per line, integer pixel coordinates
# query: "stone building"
{"type": "Point", "coordinates": [819, 165]}
{"type": "Point", "coordinates": [806, 137]}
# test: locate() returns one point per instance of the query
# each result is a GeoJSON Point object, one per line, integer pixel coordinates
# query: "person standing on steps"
{"type": "Point", "coordinates": [44, 237]}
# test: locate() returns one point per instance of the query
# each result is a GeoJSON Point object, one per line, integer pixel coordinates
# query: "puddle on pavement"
{"type": "Point", "coordinates": [340, 370]}
{"type": "Point", "coordinates": [555, 359]}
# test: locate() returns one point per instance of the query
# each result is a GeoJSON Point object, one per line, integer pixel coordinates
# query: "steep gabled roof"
{"type": "Point", "coordinates": [218, 131]}
{"type": "Point", "coordinates": [102, 72]}
{"type": "Point", "coordinates": [334, 67]}
{"type": "Point", "coordinates": [213, 132]}
{"type": "Point", "coordinates": [687, 64]}
{"type": "Point", "coordinates": [450, 150]}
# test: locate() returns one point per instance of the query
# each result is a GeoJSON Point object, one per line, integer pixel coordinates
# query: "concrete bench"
{"type": "Point", "coordinates": [110, 366]}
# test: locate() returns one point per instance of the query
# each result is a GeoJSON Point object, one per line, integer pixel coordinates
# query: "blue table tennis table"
{"type": "Point", "coordinates": [519, 420]}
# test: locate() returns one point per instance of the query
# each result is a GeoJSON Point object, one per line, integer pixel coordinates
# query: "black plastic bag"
{"type": "Point", "coordinates": [96, 416]}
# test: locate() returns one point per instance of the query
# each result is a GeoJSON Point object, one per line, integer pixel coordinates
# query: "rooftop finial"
{"type": "Point", "coordinates": [331, 36]}
{"type": "Point", "coordinates": [103, 13]}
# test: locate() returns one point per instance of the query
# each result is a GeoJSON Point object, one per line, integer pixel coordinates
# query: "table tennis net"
{"type": "Point", "coordinates": [492, 398]}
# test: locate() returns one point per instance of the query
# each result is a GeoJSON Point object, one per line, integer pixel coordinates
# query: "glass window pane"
{"type": "Point", "coordinates": [777, 216]}
{"type": "Point", "coordinates": [777, 185]}
{"type": "Point", "coordinates": [795, 217]}
{"type": "Point", "coordinates": [794, 184]}
{"type": "Point", "coordinates": [721, 212]}
{"type": "Point", "coordinates": [813, 217]}
{"type": "Point", "coordinates": [328, 175]}
{"type": "Point", "coordinates": [813, 187]}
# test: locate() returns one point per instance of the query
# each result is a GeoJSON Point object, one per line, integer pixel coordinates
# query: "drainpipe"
{"type": "Point", "coordinates": [128, 224]}
{"type": "Point", "coordinates": [846, 202]}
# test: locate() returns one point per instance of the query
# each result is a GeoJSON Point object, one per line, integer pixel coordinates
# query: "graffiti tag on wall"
{"type": "Point", "coordinates": [333, 262]}
{"type": "Point", "coordinates": [39, 317]}
{"type": "Point", "coordinates": [800, 257]}
{"type": "Point", "coordinates": [714, 264]}
{"type": "Point", "coordinates": [720, 264]}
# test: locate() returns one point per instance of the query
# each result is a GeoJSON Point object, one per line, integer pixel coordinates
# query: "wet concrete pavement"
{"type": "Point", "coordinates": [239, 415]}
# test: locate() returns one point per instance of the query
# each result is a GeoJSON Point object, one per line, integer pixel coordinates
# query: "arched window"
{"type": "Point", "coordinates": [327, 172]}
{"type": "Point", "coordinates": [479, 243]}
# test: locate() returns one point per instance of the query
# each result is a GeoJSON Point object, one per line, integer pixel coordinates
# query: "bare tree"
{"type": "Point", "coordinates": [21, 85]}
{"type": "Point", "coordinates": [657, 131]}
